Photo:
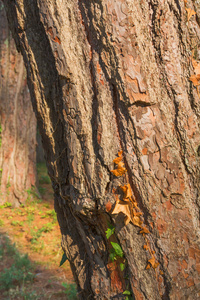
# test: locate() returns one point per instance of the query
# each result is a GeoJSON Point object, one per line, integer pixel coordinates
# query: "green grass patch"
{"type": "Point", "coordinates": [70, 291]}
{"type": "Point", "coordinates": [46, 205]}
{"type": "Point", "coordinates": [20, 270]}
{"type": "Point", "coordinates": [37, 234]}
{"type": "Point", "coordinates": [41, 190]}
{"type": "Point", "coordinates": [30, 219]}
{"type": "Point", "coordinates": [22, 293]}
{"type": "Point", "coordinates": [32, 195]}
{"type": "Point", "coordinates": [17, 223]}
{"type": "Point", "coordinates": [44, 179]}
{"type": "Point", "coordinates": [43, 174]}
{"type": "Point", "coordinates": [50, 214]}
{"type": "Point", "coordinates": [6, 205]}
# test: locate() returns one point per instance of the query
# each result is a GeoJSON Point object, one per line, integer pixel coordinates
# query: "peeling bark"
{"type": "Point", "coordinates": [17, 122]}
{"type": "Point", "coordinates": [106, 76]}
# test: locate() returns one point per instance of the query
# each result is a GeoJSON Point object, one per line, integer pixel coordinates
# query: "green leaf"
{"type": "Point", "coordinates": [118, 249]}
{"type": "Point", "coordinates": [127, 293]}
{"type": "Point", "coordinates": [122, 267]}
{"type": "Point", "coordinates": [110, 226]}
{"type": "Point", "coordinates": [63, 260]}
{"type": "Point", "coordinates": [109, 232]}
{"type": "Point", "coordinates": [112, 256]}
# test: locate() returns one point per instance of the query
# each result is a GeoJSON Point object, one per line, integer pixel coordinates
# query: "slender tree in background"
{"type": "Point", "coordinates": [117, 80]}
{"type": "Point", "coordinates": [17, 122]}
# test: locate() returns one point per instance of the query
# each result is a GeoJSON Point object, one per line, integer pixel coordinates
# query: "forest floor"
{"type": "Point", "coordinates": [30, 249]}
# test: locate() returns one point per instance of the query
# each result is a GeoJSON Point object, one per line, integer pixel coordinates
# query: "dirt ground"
{"type": "Point", "coordinates": [33, 229]}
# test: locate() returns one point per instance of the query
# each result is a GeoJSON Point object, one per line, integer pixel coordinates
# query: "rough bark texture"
{"type": "Point", "coordinates": [114, 75]}
{"type": "Point", "coordinates": [17, 122]}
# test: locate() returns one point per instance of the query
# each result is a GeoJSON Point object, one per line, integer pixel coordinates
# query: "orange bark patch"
{"type": "Point", "coordinates": [50, 32]}
{"type": "Point", "coordinates": [137, 294]}
{"type": "Point", "coordinates": [183, 264]}
{"type": "Point", "coordinates": [98, 68]}
{"type": "Point", "coordinates": [154, 216]}
{"type": "Point", "coordinates": [99, 72]}
{"type": "Point", "coordinates": [192, 253]}
{"type": "Point", "coordinates": [108, 206]}
{"type": "Point", "coordinates": [168, 205]}
{"type": "Point", "coordinates": [57, 40]}
{"type": "Point", "coordinates": [99, 135]}
{"type": "Point", "coordinates": [56, 54]}
{"type": "Point", "coordinates": [190, 282]}
{"type": "Point", "coordinates": [144, 151]}
{"type": "Point", "coordinates": [134, 97]}
{"type": "Point", "coordinates": [181, 183]}
{"type": "Point", "coordinates": [151, 224]}
{"type": "Point", "coordinates": [161, 225]}
{"type": "Point", "coordinates": [113, 190]}
{"type": "Point", "coordinates": [185, 275]}
{"type": "Point", "coordinates": [116, 280]}
{"type": "Point", "coordinates": [190, 127]}
{"type": "Point", "coordinates": [165, 260]}
{"type": "Point", "coordinates": [198, 268]}
{"type": "Point", "coordinates": [90, 54]}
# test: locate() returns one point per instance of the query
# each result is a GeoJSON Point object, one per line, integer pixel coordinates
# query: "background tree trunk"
{"type": "Point", "coordinates": [107, 76]}
{"type": "Point", "coordinates": [17, 122]}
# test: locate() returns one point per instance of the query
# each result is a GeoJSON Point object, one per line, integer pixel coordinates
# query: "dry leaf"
{"type": "Point", "coordinates": [120, 153]}
{"type": "Point", "coordinates": [119, 158]}
{"type": "Point", "coordinates": [148, 266]}
{"type": "Point", "coordinates": [135, 213]}
{"type": "Point", "coordinates": [144, 230]}
{"type": "Point", "coordinates": [123, 208]}
{"type": "Point", "coordinates": [190, 13]}
{"type": "Point", "coordinates": [153, 262]}
{"type": "Point", "coordinates": [120, 169]}
{"type": "Point", "coordinates": [127, 220]}
{"type": "Point", "coordinates": [136, 221]}
{"type": "Point", "coordinates": [195, 79]}
{"type": "Point", "coordinates": [127, 191]}
{"type": "Point", "coordinates": [134, 204]}
{"type": "Point", "coordinates": [196, 66]}
{"type": "Point", "coordinates": [156, 265]}
{"type": "Point", "coordinates": [194, 62]}
{"type": "Point", "coordinates": [120, 166]}
{"type": "Point", "coordinates": [146, 247]}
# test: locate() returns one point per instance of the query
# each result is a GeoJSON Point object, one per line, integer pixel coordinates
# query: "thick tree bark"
{"type": "Point", "coordinates": [109, 76]}
{"type": "Point", "coordinates": [17, 122]}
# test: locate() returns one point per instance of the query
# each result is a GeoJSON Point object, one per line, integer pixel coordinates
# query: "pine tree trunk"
{"type": "Point", "coordinates": [110, 76]}
{"type": "Point", "coordinates": [17, 122]}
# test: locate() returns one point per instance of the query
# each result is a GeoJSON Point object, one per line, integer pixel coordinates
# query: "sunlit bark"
{"type": "Point", "coordinates": [17, 122]}
{"type": "Point", "coordinates": [109, 76]}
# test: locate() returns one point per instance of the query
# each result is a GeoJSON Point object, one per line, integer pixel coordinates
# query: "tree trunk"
{"type": "Point", "coordinates": [17, 122]}
{"type": "Point", "coordinates": [111, 76]}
